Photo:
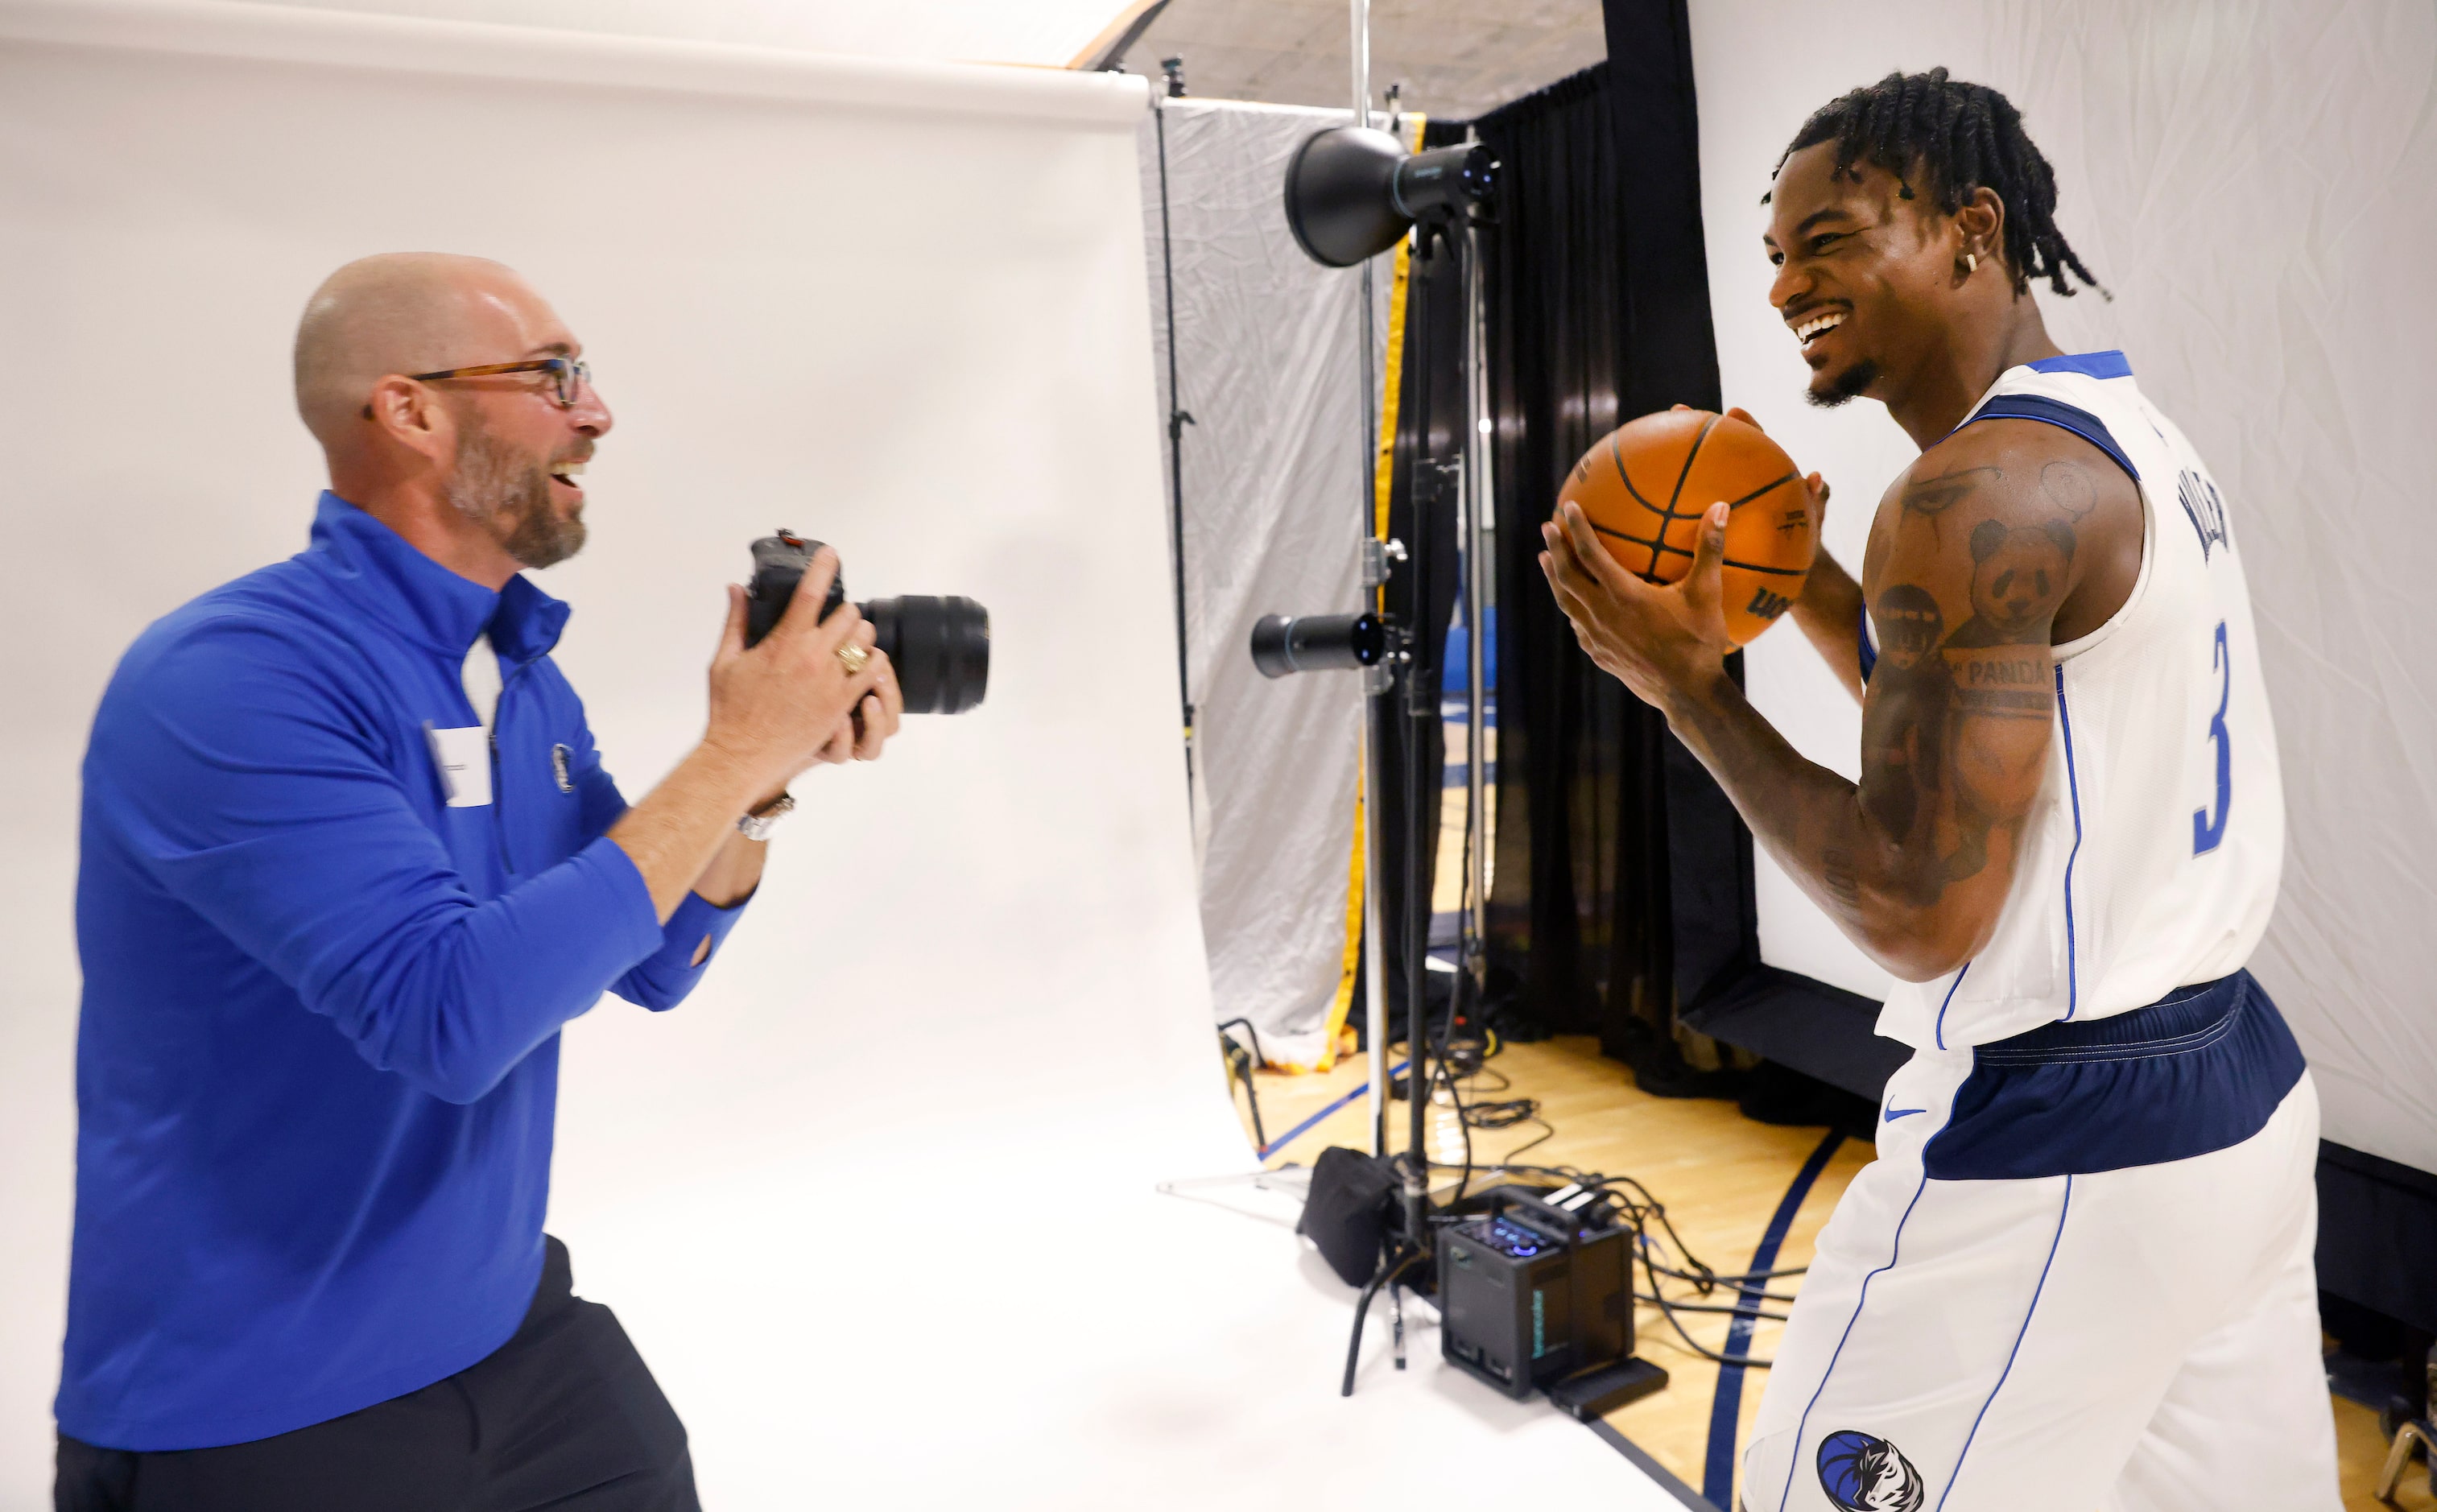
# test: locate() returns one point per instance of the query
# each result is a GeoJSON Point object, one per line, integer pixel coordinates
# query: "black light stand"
{"type": "Point", "coordinates": [1405, 663]}
{"type": "Point", "coordinates": [1352, 192]}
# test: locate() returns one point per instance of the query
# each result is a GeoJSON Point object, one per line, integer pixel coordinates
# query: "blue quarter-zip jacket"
{"type": "Point", "coordinates": [318, 1063]}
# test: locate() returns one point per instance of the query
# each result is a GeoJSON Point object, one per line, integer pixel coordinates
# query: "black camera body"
{"type": "Point", "coordinates": [940, 646]}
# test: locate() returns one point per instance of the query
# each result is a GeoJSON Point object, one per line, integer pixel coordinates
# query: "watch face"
{"type": "Point", "coordinates": [756, 826]}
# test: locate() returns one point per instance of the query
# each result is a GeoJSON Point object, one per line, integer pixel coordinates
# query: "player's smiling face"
{"type": "Point", "coordinates": [1860, 270]}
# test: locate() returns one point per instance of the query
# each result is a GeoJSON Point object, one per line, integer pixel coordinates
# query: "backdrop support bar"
{"type": "Point", "coordinates": [1177, 417]}
{"type": "Point", "coordinates": [1475, 572]}
{"type": "Point", "coordinates": [1375, 982]}
{"type": "Point", "coordinates": [1360, 20]}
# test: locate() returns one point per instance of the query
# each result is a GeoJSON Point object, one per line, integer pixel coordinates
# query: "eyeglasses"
{"type": "Point", "coordinates": [567, 375]}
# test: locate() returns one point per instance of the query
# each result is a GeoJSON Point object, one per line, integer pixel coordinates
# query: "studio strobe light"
{"type": "Point", "coordinates": [1317, 642]}
{"type": "Point", "coordinates": [1353, 191]}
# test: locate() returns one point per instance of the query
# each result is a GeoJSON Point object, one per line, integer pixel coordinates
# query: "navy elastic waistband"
{"type": "Point", "coordinates": [2198, 1071]}
{"type": "Point", "coordinates": [2188, 1018]}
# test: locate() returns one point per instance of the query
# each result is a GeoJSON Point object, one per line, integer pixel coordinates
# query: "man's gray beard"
{"type": "Point", "coordinates": [509, 494]}
{"type": "Point", "coordinates": [1849, 386]}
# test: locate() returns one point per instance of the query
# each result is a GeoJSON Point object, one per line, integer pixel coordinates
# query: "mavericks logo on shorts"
{"type": "Point", "coordinates": [1865, 1474]}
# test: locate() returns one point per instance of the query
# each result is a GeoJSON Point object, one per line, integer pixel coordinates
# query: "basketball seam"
{"type": "Point", "coordinates": [1673, 499]}
{"type": "Point", "coordinates": [1738, 503]}
{"type": "Point", "coordinates": [1679, 551]}
{"type": "Point", "coordinates": [1616, 454]}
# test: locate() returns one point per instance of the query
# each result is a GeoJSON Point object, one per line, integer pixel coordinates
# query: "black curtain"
{"type": "Point", "coordinates": [1578, 904]}
{"type": "Point", "coordinates": [1670, 356]}
{"type": "Point", "coordinates": [1425, 461]}
{"type": "Point", "coordinates": [1597, 311]}
{"type": "Point", "coordinates": [1622, 902]}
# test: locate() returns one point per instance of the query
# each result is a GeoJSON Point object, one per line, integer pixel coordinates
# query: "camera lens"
{"type": "Point", "coordinates": [1315, 642]}
{"type": "Point", "coordinates": [940, 646]}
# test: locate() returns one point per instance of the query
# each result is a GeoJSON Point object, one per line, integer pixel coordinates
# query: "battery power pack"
{"type": "Point", "coordinates": [1531, 1292]}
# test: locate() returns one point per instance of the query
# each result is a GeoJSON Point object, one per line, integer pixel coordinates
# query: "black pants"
{"type": "Point", "coordinates": [564, 1416]}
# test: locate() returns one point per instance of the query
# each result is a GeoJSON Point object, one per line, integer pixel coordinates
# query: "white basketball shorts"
{"type": "Point", "coordinates": [2078, 1275]}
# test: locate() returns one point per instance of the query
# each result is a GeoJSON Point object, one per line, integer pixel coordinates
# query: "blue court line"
{"type": "Point", "coordinates": [1305, 1127]}
{"type": "Point", "coordinates": [1718, 1471]}
{"type": "Point", "coordinates": [1658, 1474]}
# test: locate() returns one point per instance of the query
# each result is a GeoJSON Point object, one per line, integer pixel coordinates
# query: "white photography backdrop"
{"type": "Point", "coordinates": [878, 1202]}
{"type": "Point", "coordinates": [2247, 177]}
{"type": "Point", "coordinates": [1275, 474]}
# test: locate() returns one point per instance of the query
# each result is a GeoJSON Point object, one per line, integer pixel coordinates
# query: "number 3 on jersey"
{"type": "Point", "coordinates": [2207, 831]}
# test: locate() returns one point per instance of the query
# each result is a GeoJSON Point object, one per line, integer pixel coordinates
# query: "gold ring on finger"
{"type": "Point", "coordinates": [853, 658]}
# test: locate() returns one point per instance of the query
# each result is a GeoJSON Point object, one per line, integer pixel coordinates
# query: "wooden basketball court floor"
{"type": "Point", "coordinates": [1722, 1178]}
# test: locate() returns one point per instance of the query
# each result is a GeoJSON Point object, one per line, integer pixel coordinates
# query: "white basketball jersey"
{"type": "Point", "coordinates": [2150, 859]}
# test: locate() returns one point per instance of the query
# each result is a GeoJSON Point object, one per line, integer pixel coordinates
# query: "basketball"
{"type": "Point", "coordinates": [1645, 486]}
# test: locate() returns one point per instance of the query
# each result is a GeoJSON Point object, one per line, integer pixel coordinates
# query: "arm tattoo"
{"type": "Point", "coordinates": [1935, 496]}
{"type": "Point", "coordinates": [1904, 730]}
{"type": "Point", "coordinates": [1955, 727]}
{"type": "Point", "coordinates": [2068, 486]}
{"type": "Point", "coordinates": [1941, 762]}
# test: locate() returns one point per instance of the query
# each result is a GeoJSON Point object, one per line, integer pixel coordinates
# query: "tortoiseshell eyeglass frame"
{"type": "Point", "coordinates": [567, 375]}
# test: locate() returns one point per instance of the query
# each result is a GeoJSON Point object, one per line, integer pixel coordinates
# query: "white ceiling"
{"type": "Point", "coordinates": [1455, 57]}
{"type": "Point", "coordinates": [1046, 32]}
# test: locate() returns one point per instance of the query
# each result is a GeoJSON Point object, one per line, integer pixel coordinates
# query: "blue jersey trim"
{"type": "Point", "coordinates": [1894, 1250]}
{"type": "Point", "coordinates": [2060, 415]}
{"type": "Point", "coordinates": [2091, 364]}
{"type": "Point", "coordinates": [1949, 998]}
{"type": "Point", "coordinates": [1870, 654]}
{"type": "Point", "coordinates": [2202, 1070]}
{"type": "Point", "coordinates": [2073, 787]}
{"type": "Point", "coordinates": [1958, 1473]}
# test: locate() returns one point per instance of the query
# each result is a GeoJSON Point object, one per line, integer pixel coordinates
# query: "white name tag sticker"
{"type": "Point", "coordinates": [463, 757]}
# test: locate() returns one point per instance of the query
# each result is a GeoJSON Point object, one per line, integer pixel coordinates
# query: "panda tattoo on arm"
{"type": "Point", "coordinates": [1973, 562]}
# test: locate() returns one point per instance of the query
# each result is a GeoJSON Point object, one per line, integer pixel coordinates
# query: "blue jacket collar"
{"type": "Point", "coordinates": [424, 601]}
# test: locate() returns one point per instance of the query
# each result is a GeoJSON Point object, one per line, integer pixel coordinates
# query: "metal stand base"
{"type": "Point", "coordinates": [2398, 1459]}
{"type": "Point", "coordinates": [1390, 1270]}
{"type": "Point", "coordinates": [1296, 1181]}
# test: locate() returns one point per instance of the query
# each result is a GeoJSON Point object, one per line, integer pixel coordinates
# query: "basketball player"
{"type": "Point", "coordinates": [2079, 1273]}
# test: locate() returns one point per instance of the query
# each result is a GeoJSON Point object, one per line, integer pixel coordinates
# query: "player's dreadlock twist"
{"type": "Point", "coordinates": [1963, 138]}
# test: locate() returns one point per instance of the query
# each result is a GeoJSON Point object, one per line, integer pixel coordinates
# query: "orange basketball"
{"type": "Point", "coordinates": [1645, 486]}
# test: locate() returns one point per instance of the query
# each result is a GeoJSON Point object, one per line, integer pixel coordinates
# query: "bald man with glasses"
{"type": "Point", "coordinates": [350, 860]}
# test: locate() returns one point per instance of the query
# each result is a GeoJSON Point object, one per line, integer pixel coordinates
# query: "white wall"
{"type": "Point", "coordinates": [2251, 179]}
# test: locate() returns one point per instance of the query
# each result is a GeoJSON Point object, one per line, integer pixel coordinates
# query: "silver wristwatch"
{"type": "Point", "coordinates": [757, 824]}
